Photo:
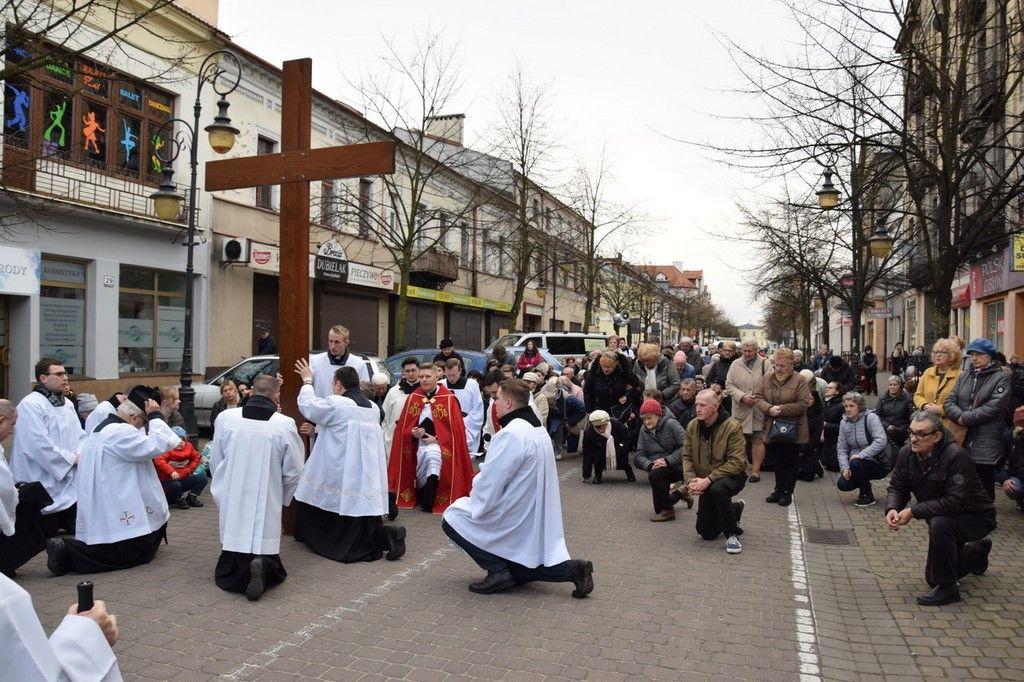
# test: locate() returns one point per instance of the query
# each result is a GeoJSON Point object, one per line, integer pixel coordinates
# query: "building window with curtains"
{"type": "Point", "coordinates": [994, 323]}
{"type": "Point", "coordinates": [151, 320]}
{"type": "Point", "coordinates": [62, 314]}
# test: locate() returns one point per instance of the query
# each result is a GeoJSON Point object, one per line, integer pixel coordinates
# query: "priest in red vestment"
{"type": "Point", "coordinates": [429, 462]}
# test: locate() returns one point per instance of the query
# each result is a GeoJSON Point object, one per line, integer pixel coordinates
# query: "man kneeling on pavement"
{"type": "Point", "coordinates": [951, 498]}
{"type": "Point", "coordinates": [714, 470]}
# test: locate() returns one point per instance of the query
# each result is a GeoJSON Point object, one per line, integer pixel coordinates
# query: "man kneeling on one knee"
{"type": "Point", "coordinates": [714, 469]}
{"type": "Point", "coordinates": [951, 498]}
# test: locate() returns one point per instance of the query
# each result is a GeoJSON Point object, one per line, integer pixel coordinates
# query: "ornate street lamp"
{"type": "Point", "coordinates": [828, 195]}
{"type": "Point", "coordinates": [880, 242]}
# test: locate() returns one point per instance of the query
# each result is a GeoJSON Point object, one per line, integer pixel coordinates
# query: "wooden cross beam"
{"type": "Point", "coordinates": [294, 168]}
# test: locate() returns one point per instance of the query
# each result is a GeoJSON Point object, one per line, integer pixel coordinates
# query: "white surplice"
{"type": "Point", "coordinates": [77, 649]}
{"type": "Point", "coordinates": [323, 372]}
{"type": "Point", "coordinates": [45, 446]}
{"type": "Point", "coordinates": [119, 492]}
{"type": "Point", "coordinates": [347, 472]}
{"type": "Point", "coordinates": [394, 401]}
{"type": "Point", "coordinates": [8, 497]}
{"type": "Point", "coordinates": [96, 417]}
{"type": "Point", "coordinates": [514, 510]}
{"type": "Point", "coordinates": [256, 465]}
{"type": "Point", "coordinates": [472, 404]}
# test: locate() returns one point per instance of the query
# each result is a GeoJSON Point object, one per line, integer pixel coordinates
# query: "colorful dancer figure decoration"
{"type": "Point", "coordinates": [92, 126]}
{"type": "Point", "coordinates": [19, 106]}
{"type": "Point", "coordinates": [129, 142]}
{"type": "Point", "coordinates": [154, 159]}
{"type": "Point", "coordinates": [57, 123]}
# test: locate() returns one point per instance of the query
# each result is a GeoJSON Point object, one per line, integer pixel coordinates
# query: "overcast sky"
{"type": "Point", "coordinates": [632, 75]}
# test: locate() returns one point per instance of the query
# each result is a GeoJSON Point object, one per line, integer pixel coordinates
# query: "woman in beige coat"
{"type": "Point", "coordinates": [743, 384]}
{"type": "Point", "coordinates": [784, 397]}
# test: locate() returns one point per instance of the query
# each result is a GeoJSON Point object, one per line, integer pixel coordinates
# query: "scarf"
{"type": "Point", "coordinates": [609, 448]}
{"type": "Point", "coordinates": [56, 399]}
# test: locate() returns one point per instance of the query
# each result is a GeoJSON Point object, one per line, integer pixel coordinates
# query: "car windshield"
{"type": "Point", "coordinates": [507, 340]}
{"type": "Point", "coordinates": [245, 372]}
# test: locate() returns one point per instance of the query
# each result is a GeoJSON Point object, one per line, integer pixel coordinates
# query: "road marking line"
{"type": "Point", "coordinates": [306, 632]}
{"type": "Point", "coordinates": [806, 634]}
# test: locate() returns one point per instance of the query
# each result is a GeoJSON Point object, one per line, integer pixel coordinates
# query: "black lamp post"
{"type": "Point", "coordinates": [167, 200]}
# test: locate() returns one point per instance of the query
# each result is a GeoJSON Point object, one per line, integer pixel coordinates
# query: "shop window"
{"type": "Point", "coordinates": [151, 320]}
{"type": "Point", "coordinates": [62, 313]}
{"type": "Point", "coordinates": [995, 323]}
{"type": "Point", "coordinates": [57, 124]}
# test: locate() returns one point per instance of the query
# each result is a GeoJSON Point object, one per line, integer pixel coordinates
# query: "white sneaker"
{"type": "Point", "coordinates": [732, 545]}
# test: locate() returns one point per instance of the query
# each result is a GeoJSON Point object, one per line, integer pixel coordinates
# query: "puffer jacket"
{"type": "Point", "coordinates": [666, 375]}
{"type": "Point", "coordinates": [944, 484]}
{"type": "Point", "coordinates": [664, 440]}
{"type": "Point", "coordinates": [980, 400]}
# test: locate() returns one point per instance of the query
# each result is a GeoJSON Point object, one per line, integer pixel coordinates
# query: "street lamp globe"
{"type": "Point", "coordinates": [221, 133]}
{"type": "Point", "coordinates": [828, 195]}
{"type": "Point", "coordinates": [880, 242]}
{"type": "Point", "coordinates": [542, 292]}
{"type": "Point", "coordinates": [166, 200]}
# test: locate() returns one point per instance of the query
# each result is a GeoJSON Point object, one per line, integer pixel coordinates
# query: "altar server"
{"type": "Point", "coordinates": [337, 355]}
{"type": "Point", "coordinates": [472, 403]}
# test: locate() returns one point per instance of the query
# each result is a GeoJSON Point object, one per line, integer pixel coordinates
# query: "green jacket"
{"type": "Point", "coordinates": [723, 454]}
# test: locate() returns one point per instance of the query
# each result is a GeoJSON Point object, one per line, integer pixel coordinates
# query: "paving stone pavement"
{"type": "Point", "coordinates": [667, 605]}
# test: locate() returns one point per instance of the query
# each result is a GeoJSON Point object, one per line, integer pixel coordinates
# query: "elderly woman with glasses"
{"type": "Point", "coordinates": [937, 382]}
{"type": "Point", "coordinates": [862, 449]}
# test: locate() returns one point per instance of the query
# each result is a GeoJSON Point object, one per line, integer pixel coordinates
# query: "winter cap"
{"type": "Point", "coordinates": [680, 356]}
{"type": "Point", "coordinates": [140, 394]}
{"type": "Point", "coordinates": [543, 368]}
{"type": "Point", "coordinates": [651, 406]}
{"type": "Point", "coordinates": [179, 432]}
{"type": "Point", "coordinates": [982, 346]}
{"type": "Point", "coordinates": [534, 377]}
{"type": "Point", "coordinates": [598, 417]}
{"type": "Point", "coordinates": [87, 402]}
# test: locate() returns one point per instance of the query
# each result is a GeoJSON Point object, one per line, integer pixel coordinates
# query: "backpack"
{"type": "Point", "coordinates": [888, 456]}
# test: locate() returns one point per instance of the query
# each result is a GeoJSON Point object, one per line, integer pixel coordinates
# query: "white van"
{"type": "Point", "coordinates": [560, 344]}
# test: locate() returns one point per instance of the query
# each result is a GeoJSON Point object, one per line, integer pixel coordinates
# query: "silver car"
{"type": "Point", "coordinates": [208, 392]}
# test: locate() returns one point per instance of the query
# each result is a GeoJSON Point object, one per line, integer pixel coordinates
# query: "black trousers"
{"type": "Point", "coordinates": [60, 522]}
{"type": "Point", "coordinates": [347, 539]}
{"type": "Point", "coordinates": [716, 513]}
{"type": "Point", "coordinates": [660, 480]}
{"type": "Point", "coordinates": [29, 538]}
{"type": "Point", "coordinates": [952, 553]}
{"type": "Point", "coordinates": [787, 465]}
{"type": "Point", "coordinates": [987, 474]}
{"type": "Point", "coordinates": [594, 458]}
{"type": "Point", "coordinates": [559, 573]}
{"type": "Point", "coordinates": [114, 556]}
{"type": "Point", "coordinates": [233, 570]}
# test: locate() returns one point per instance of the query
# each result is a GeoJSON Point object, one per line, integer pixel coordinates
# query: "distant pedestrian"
{"type": "Point", "coordinates": [869, 366]}
{"type": "Point", "coordinates": [897, 359]}
{"type": "Point", "coordinates": [267, 345]}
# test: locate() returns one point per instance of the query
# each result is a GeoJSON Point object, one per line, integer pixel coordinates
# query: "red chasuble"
{"type": "Point", "coordinates": [456, 476]}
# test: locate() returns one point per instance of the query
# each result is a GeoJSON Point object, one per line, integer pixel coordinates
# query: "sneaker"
{"type": "Point", "coordinates": [56, 556]}
{"type": "Point", "coordinates": [558, 456]}
{"type": "Point", "coordinates": [193, 500]}
{"type": "Point", "coordinates": [864, 501]}
{"type": "Point", "coordinates": [182, 503]}
{"type": "Point", "coordinates": [732, 545]}
{"type": "Point", "coordinates": [666, 515]}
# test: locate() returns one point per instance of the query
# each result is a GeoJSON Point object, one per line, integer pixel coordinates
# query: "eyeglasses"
{"type": "Point", "coordinates": [56, 374]}
{"type": "Point", "coordinates": [922, 434]}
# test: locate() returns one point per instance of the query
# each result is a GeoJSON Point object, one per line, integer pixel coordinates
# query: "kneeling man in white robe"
{"type": "Point", "coordinates": [256, 460]}
{"type": "Point", "coordinates": [122, 509]}
{"type": "Point", "coordinates": [79, 649]}
{"type": "Point", "coordinates": [344, 488]}
{"type": "Point", "coordinates": [511, 522]}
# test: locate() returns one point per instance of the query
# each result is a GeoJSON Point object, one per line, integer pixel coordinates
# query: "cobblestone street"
{"type": "Point", "coordinates": [667, 605]}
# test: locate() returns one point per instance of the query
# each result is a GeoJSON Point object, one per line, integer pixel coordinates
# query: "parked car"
{"type": "Point", "coordinates": [473, 359]}
{"type": "Point", "coordinates": [208, 392]}
{"type": "Point", "coordinates": [560, 344]}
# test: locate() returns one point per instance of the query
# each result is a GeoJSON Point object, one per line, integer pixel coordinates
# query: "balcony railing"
{"type": "Point", "coordinates": [435, 267]}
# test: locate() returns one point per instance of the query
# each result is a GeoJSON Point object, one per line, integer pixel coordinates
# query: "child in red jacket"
{"type": "Point", "coordinates": [176, 470]}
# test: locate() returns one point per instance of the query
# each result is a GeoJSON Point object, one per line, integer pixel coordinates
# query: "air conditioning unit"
{"type": "Point", "coordinates": [234, 250]}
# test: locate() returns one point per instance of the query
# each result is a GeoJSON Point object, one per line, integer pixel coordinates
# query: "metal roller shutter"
{"type": "Point", "coordinates": [420, 326]}
{"type": "Point", "coordinates": [264, 307]}
{"type": "Point", "coordinates": [466, 328]}
{"type": "Point", "coordinates": [361, 314]}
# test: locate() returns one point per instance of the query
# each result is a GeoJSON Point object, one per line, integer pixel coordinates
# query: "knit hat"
{"type": "Point", "coordinates": [543, 368]}
{"type": "Point", "coordinates": [598, 417]}
{"type": "Point", "coordinates": [680, 356]}
{"type": "Point", "coordinates": [650, 406]}
{"type": "Point", "coordinates": [87, 402]}
{"type": "Point", "coordinates": [532, 376]}
{"type": "Point", "coordinates": [835, 362]}
{"type": "Point", "coordinates": [982, 346]}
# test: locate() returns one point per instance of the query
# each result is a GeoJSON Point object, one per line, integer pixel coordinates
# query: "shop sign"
{"type": "Point", "coordinates": [267, 257]}
{"type": "Point", "coordinates": [331, 263]}
{"type": "Point", "coordinates": [994, 275]}
{"type": "Point", "coordinates": [370, 276]}
{"type": "Point", "coordinates": [879, 313]}
{"type": "Point", "coordinates": [847, 321]}
{"type": "Point", "coordinates": [20, 271]}
{"type": "Point", "coordinates": [1018, 252]}
{"type": "Point", "coordinates": [962, 296]}
{"type": "Point", "coordinates": [461, 299]}
{"type": "Point", "coordinates": [533, 309]}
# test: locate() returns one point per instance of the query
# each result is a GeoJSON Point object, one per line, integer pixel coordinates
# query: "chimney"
{"type": "Point", "coordinates": [446, 127]}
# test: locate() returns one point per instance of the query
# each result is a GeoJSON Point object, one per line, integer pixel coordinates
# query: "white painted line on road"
{"type": "Point", "coordinates": [264, 658]}
{"type": "Point", "coordinates": [806, 634]}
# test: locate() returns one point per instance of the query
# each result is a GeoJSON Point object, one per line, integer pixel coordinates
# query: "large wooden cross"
{"type": "Point", "coordinates": [294, 168]}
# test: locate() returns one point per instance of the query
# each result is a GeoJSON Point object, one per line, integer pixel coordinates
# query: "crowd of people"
{"type": "Point", "coordinates": [92, 482]}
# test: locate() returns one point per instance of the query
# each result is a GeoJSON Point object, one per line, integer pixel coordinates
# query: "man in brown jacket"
{"type": "Point", "coordinates": [714, 468]}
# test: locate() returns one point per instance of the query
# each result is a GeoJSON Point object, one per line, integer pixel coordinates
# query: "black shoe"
{"type": "Point", "coordinates": [630, 476]}
{"type": "Point", "coordinates": [754, 478]}
{"type": "Point", "coordinates": [940, 595]}
{"type": "Point", "coordinates": [394, 536]}
{"type": "Point", "coordinates": [193, 501]}
{"type": "Point", "coordinates": [774, 497]}
{"type": "Point", "coordinates": [494, 582]}
{"type": "Point", "coordinates": [597, 479]}
{"type": "Point", "coordinates": [864, 501]}
{"type": "Point", "coordinates": [182, 503]}
{"type": "Point", "coordinates": [582, 573]}
{"type": "Point", "coordinates": [983, 548]}
{"type": "Point", "coordinates": [427, 494]}
{"type": "Point", "coordinates": [392, 506]}
{"type": "Point", "coordinates": [57, 556]}
{"type": "Point", "coordinates": [257, 580]}
{"type": "Point", "coordinates": [785, 500]}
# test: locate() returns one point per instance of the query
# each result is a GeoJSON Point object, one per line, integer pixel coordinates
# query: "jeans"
{"type": "Point", "coordinates": [190, 484]}
{"type": "Point", "coordinates": [862, 472]}
{"type": "Point", "coordinates": [559, 573]}
{"type": "Point", "coordinates": [1018, 489]}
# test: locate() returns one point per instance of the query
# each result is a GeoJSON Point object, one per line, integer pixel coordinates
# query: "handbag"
{"type": "Point", "coordinates": [783, 430]}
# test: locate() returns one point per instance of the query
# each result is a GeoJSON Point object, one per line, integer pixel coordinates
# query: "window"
{"type": "Point", "coordinates": [151, 320]}
{"type": "Point", "coordinates": [327, 203]}
{"type": "Point", "coordinates": [365, 193]}
{"type": "Point", "coordinates": [264, 193]}
{"type": "Point", "coordinates": [995, 323]}
{"type": "Point", "coordinates": [465, 246]}
{"type": "Point", "coordinates": [86, 113]}
{"type": "Point", "coordinates": [62, 314]}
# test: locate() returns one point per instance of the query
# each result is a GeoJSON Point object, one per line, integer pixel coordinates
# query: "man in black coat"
{"type": "Point", "coordinates": [951, 498]}
{"type": "Point", "coordinates": [684, 407]}
{"type": "Point", "coordinates": [839, 370]}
